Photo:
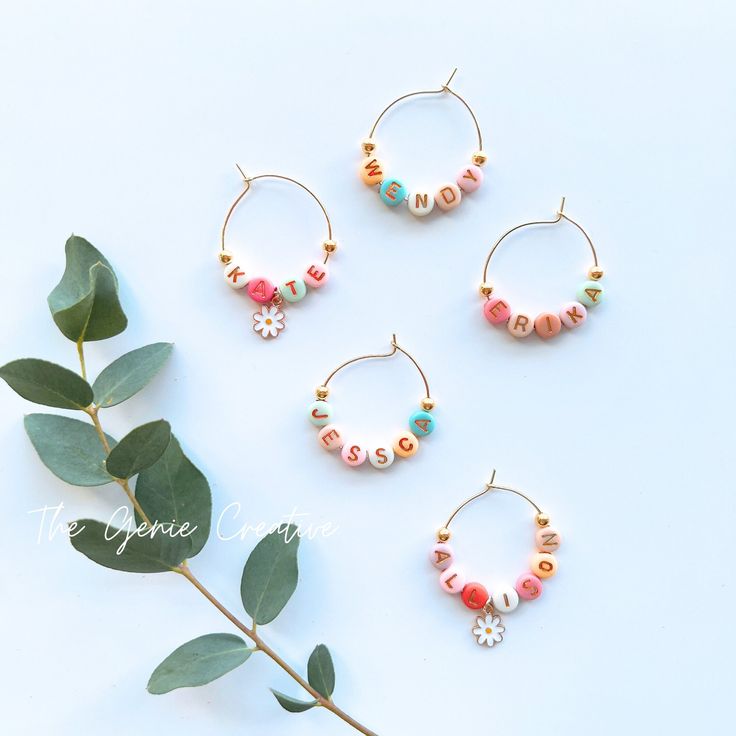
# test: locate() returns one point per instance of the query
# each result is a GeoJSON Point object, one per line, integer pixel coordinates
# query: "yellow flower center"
{"type": "Point", "coordinates": [269, 321]}
{"type": "Point", "coordinates": [489, 631]}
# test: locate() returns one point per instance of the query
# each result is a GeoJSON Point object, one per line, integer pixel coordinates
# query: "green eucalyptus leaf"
{"type": "Point", "coordinates": [85, 304]}
{"type": "Point", "coordinates": [198, 662]}
{"type": "Point", "coordinates": [292, 704]}
{"type": "Point", "coordinates": [155, 550]}
{"type": "Point", "coordinates": [174, 489]}
{"type": "Point", "coordinates": [270, 574]}
{"type": "Point", "coordinates": [70, 449]}
{"type": "Point", "coordinates": [321, 672]}
{"type": "Point", "coordinates": [139, 449]}
{"type": "Point", "coordinates": [128, 374]}
{"type": "Point", "coordinates": [47, 383]}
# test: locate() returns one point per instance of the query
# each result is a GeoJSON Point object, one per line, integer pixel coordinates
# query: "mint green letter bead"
{"type": "Point", "coordinates": [293, 290]}
{"type": "Point", "coordinates": [421, 423]}
{"type": "Point", "coordinates": [590, 293]}
{"type": "Point", "coordinates": [320, 413]}
{"type": "Point", "coordinates": [393, 192]}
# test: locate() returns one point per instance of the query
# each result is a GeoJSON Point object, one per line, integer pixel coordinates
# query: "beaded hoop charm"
{"type": "Point", "coordinates": [488, 627]}
{"type": "Point", "coordinates": [270, 319]}
{"type": "Point", "coordinates": [422, 201]}
{"type": "Point", "coordinates": [547, 324]}
{"type": "Point", "coordinates": [405, 444]}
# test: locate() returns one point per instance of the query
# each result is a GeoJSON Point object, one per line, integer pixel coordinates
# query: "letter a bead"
{"type": "Point", "coordinates": [442, 556]}
{"type": "Point", "coordinates": [520, 325]}
{"type": "Point", "coordinates": [316, 275]}
{"type": "Point", "coordinates": [330, 438]}
{"type": "Point", "coordinates": [475, 596]}
{"type": "Point", "coordinates": [547, 325]}
{"type": "Point", "coordinates": [452, 580]}
{"type": "Point", "coordinates": [406, 445]}
{"type": "Point", "coordinates": [573, 315]}
{"type": "Point", "coordinates": [528, 586]}
{"type": "Point", "coordinates": [547, 539]}
{"type": "Point", "coordinates": [590, 293]}
{"type": "Point", "coordinates": [320, 413]}
{"type": "Point", "coordinates": [293, 290]}
{"type": "Point", "coordinates": [381, 457]}
{"type": "Point", "coordinates": [543, 564]}
{"type": "Point", "coordinates": [260, 290]}
{"type": "Point", "coordinates": [470, 178]}
{"type": "Point", "coordinates": [448, 197]}
{"type": "Point", "coordinates": [371, 171]}
{"type": "Point", "coordinates": [353, 454]}
{"type": "Point", "coordinates": [235, 276]}
{"type": "Point", "coordinates": [420, 203]}
{"type": "Point", "coordinates": [496, 310]}
{"type": "Point", "coordinates": [421, 423]}
{"type": "Point", "coordinates": [393, 192]}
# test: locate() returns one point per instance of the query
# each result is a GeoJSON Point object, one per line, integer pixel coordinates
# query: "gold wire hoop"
{"type": "Point", "coordinates": [560, 216]}
{"type": "Point", "coordinates": [247, 181]}
{"type": "Point", "coordinates": [395, 347]}
{"type": "Point", "coordinates": [444, 88]}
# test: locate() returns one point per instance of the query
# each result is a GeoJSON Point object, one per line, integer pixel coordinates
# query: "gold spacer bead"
{"type": "Point", "coordinates": [225, 256]}
{"type": "Point", "coordinates": [368, 145]}
{"type": "Point", "coordinates": [443, 534]}
{"type": "Point", "coordinates": [427, 403]}
{"type": "Point", "coordinates": [322, 392]}
{"type": "Point", "coordinates": [595, 273]}
{"type": "Point", "coordinates": [542, 519]}
{"type": "Point", "coordinates": [329, 246]}
{"type": "Point", "coordinates": [479, 158]}
{"type": "Point", "coordinates": [486, 289]}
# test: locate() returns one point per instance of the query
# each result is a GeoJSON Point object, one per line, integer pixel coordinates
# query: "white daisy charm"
{"type": "Point", "coordinates": [269, 321]}
{"type": "Point", "coordinates": [488, 629]}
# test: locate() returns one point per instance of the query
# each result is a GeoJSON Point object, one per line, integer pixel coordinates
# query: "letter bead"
{"type": "Point", "coordinates": [353, 454]}
{"type": "Point", "coordinates": [475, 596]}
{"type": "Point", "coordinates": [442, 556]}
{"type": "Point", "coordinates": [543, 564]}
{"type": "Point", "coordinates": [381, 457]}
{"type": "Point", "coordinates": [590, 293]}
{"type": "Point", "coordinates": [452, 580]}
{"type": "Point", "coordinates": [421, 423]}
{"type": "Point", "coordinates": [470, 178]}
{"type": "Point", "coordinates": [260, 290]}
{"type": "Point", "coordinates": [371, 171]}
{"type": "Point", "coordinates": [330, 438]}
{"type": "Point", "coordinates": [293, 290]}
{"type": "Point", "coordinates": [528, 586]}
{"type": "Point", "coordinates": [406, 444]}
{"type": "Point", "coordinates": [505, 600]}
{"type": "Point", "coordinates": [316, 275]}
{"type": "Point", "coordinates": [548, 539]}
{"type": "Point", "coordinates": [547, 325]}
{"type": "Point", "coordinates": [393, 192]}
{"type": "Point", "coordinates": [320, 413]}
{"type": "Point", "coordinates": [420, 203]}
{"type": "Point", "coordinates": [448, 197]}
{"type": "Point", "coordinates": [520, 324]}
{"type": "Point", "coordinates": [235, 275]}
{"type": "Point", "coordinates": [573, 315]}
{"type": "Point", "coordinates": [496, 310]}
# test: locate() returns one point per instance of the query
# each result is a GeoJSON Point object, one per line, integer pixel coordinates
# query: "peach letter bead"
{"type": "Point", "coordinates": [470, 178]}
{"type": "Point", "coordinates": [448, 197]}
{"type": "Point", "coordinates": [548, 539]}
{"type": "Point", "coordinates": [260, 290]}
{"type": "Point", "coordinates": [452, 580]}
{"type": "Point", "coordinates": [543, 564]}
{"type": "Point", "coordinates": [420, 203]}
{"type": "Point", "coordinates": [352, 454]}
{"type": "Point", "coordinates": [406, 444]}
{"type": "Point", "coordinates": [235, 275]}
{"type": "Point", "coordinates": [573, 314]}
{"type": "Point", "coordinates": [316, 275]}
{"type": "Point", "coordinates": [330, 438]}
{"type": "Point", "coordinates": [520, 325]}
{"type": "Point", "coordinates": [475, 595]}
{"type": "Point", "coordinates": [442, 556]}
{"type": "Point", "coordinates": [528, 586]}
{"type": "Point", "coordinates": [547, 325]}
{"type": "Point", "coordinates": [371, 171]}
{"type": "Point", "coordinates": [496, 310]}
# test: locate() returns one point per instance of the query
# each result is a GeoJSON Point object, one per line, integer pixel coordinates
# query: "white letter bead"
{"type": "Point", "coordinates": [235, 275]}
{"type": "Point", "coordinates": [381, 457]}
{"type": "Point", "coordinates": [442, 556]}
{"type": "Point", "coordinates": [452, 580]}
{"type": "Point", "coordinates": [320, 413]}
{"type": "Point", "coordinates": [420, 203]}
{"type": "Point", "coordinates": [505, 599]}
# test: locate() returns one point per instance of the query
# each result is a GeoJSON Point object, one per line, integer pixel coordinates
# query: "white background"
{"type": "Point", "coordinates": [122, 122]}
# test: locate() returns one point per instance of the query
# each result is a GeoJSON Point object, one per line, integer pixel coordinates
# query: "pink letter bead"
{"type": "Point", "coordinates": [548, 539]}
{"type": "Point", "coordinates": [528, 586]}
{"type": "Point", "coordinates": [475, 595]}
{"type": "Point", "coordinates": [353, 454]}
{"type": "Point", "coordinates": [448, 197]}
{"type": "Point", "coordinates": [547, 325]}
{"type": "Point", "coordinates": [260, 290]}
{"type": "Point", "coordinates": [235, 276]}
{"type": "Point", "coordinates": [442, 555]}
{"type": "Point", "coordinates": [496, 310]}
{"type": "Point", "coordinates": [452, 580]}
{"type": "Point", "coordinates": [520, 324]}
{"type": "Point", "coordinates": [316, 275]}
{"type": "Point", "coordinates": [573, 314]}
{"type": "Point", "coordinates": [505, 600]}
{"type": "Point", "coordinates": [543, 564]}
{"type": "Point", "coordinates": [330, 438]}
{"type": "Point", "coordinates": [470, 178]}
